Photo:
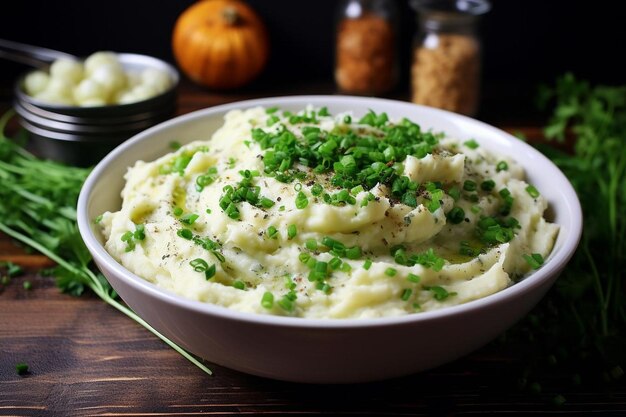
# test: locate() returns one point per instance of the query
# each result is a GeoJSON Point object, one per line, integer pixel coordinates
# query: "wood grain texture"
{"type": "Point", "coordinates": [86, 359]}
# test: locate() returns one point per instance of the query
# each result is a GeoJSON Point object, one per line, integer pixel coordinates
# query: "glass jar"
{"type": "Point", "coordinates": [446, 66]}
{"type": "Point", "coordinates": [366, 59]}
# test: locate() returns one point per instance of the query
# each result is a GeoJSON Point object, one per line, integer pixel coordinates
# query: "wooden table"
{"type": "Point", "coordinates": [86, 359]}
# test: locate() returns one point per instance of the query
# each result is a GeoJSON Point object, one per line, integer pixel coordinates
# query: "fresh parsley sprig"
{"type": "Point", "coordinates": [37, 208]}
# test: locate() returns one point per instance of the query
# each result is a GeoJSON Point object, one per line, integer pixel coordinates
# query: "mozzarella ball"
{"type": "Point", "coordinates": [68, 69]}
{"type": "Point", "coordinates": [133, 79]}
{"type": "Point", "coordinates": [143, 92]}
{"type": "Point", "coordinates": [157, 79]}
{"type": "Point", "coordinates": [57, 91]}
{"type": "Point", "coordinates": [52, 97]}
{"type": "Point", "coordinates": [126, 97]}
{"type": "Point", "coordinates": [111, 77]}
{"type": "Point", "coordinates": [99, 59]}
{"type": "Point", "coordinates": [89, 89]}
{"type": "Point", "coordinates": [35, 82]}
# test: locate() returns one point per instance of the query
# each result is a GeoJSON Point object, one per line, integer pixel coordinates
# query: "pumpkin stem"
{"type": "Point", "coordinates": [231, 16]}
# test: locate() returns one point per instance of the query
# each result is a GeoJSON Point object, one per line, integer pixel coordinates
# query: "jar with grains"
{"type": "Point", "coordinates": [445, 71]}
{"type": "Point", "coordinates": [366, 60]}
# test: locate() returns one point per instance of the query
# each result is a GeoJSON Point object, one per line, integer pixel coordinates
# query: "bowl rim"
{"type": "Point", "coordinates": [552, 267]}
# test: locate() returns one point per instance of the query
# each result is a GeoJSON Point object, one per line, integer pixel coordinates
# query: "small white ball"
{"type": "Point", "coordinates": [126, 97]}
{"type": "Point", "coordinates": [35, 82]}
{"type": "Point", "coordinates": [133, 78]}
{"type": "Point", "coordinates": [98, 59]}
{"type": "Point", "coordinates": [58, 90]}
{"type": "Point", "coordinates": [89, 89]}
{"type": "Point", "coordinates": [68, 69]}
{"type": "Point", "coordinates": [111, 77]}
{"type": "Point", "coordinates": [155, 78]}
{"type": "Point", "coordinates": [52, 97]}
{"type": "Point", "coordinates": [143, 92]}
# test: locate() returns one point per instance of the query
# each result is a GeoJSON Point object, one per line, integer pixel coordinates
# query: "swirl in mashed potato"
{"type": "Point", "coordinates": [328, 216]}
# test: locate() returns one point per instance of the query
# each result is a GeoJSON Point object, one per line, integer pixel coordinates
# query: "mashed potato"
{"type": "Point", "coordinates": [328, 216]}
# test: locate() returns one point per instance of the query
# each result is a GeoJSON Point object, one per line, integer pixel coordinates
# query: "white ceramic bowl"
{"type": "Point", "coordinates": [328, 351]}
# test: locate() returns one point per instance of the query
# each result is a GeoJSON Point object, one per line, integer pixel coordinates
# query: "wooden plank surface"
{"type": "Point", "coordinates": [86, 359]}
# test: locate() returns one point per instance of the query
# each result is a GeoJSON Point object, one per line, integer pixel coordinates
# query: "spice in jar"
{"type": "Point", "coordinates": [445, 72]}
{"type": "Point", "coordinates": [365, 60]}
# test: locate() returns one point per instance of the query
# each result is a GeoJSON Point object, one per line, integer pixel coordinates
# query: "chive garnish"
{"type": "Point", "coordinates": [292, 231]}
{"type": "Point", "coordinates": [267, 301]}
{"type": "Point", "coordinates": [535, 260]}
{"type": "Point", "coordinates": [532, 191]}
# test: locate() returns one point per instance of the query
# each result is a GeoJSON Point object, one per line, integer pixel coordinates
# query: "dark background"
{"type": "Point", "coordinates": [526, 42]}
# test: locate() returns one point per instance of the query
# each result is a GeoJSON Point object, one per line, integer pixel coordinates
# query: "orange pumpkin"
{"type": "Point", "coordinates": [220, 43]}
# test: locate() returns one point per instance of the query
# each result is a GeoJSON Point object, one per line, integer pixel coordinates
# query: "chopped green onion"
{"type": "Point", "coordinates": [292, 231]}
{"type": "Point", "coordinates": [406, 294]}
{"type": "Point", "coordinates": [301, 200]}
{"type": "Point", "coordinates": [317, 189]}
{"type": "Point", "coordinates": [472, 144]}
{"type": "Point", "coordinates": [140, 232]}
{"type": "Point", "coordinates": [334, 263]}
{"type": "Point", "coordinates": [487, 185]}
{"type": "Point", "coordinates": [456, 215]}
{"type": "Point", "coordinates": [272, 120]}
{"type": "Point", "coordinates": [199, 265]}
{"type": "Point", "coordinates": [367, 264]}
{"type": "Point", "coordinates": [508, 201]}
{"type": "Point", "coordinates": [266, 202]}
{"type": "Point", "coordinates": [413, 278]}
{"type": "Point", "coordinates": [210, 272]}
{"type": "Point", "coordinates": [272, 232]}
{"type": "Point", "coordinates": [219, 256]}
{"type": "Point", "coordinates": [502, 166]}
{"type": "Point", "coordinates": [287, 304]}
{"type": "Point", "coordinates": [304, 257]}
{"type": "Point", "coordinates": [323, 286]}
{"type": "Point", "coordinates": [469, 185]}
{"type": "Point", "coordinates": [289, 284]}
{"type": "Point", "coordinates": [311, 244]}
{"type": "Point", "coordinates": [240, 285]}
{"type": "Point", "coordinates": [267, 301]}
{"type": "Point", "coordinates": [439, 293]}
{"type": "Point", "coordinates": [455, 193]}
{"type": "Point", "coordinates": [353, 252]}
{"type": "Point", "coordinates": [391, 272]}
{"type": "Point", "coordinates": [178, 211]}
{"type": "Point", "coordinates": [21, 368]}
{"type": "Point", "coordinates": [185, 234]}
{"type": "Point", "coordinates": [332, 243]}
{"type": "Point", "coordinates": [532, 191]}
{"type": "Point", "coordinates": [535, 260]}
{"type": "Point", "coordinates": [321, 266]}
{"type": "Point", "coordinates": [189, 218]}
